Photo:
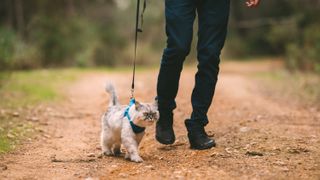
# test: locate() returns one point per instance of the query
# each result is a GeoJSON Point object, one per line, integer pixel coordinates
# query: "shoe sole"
{"type": "Point", "coordinates": [164, 142]}
{"type": "Point", "coordinates": [209, 146]}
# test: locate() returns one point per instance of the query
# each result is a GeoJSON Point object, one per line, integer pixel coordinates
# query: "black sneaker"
{"type": "Point", "coordinates": [164, 130]}
{"type": "Point", "coordinates": [198, 137]}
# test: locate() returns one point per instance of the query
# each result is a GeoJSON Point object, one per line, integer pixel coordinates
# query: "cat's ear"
{"type": "Point", "coordinates": [137, 105]}
{"type": "Point", "coordinates": [155, 104]}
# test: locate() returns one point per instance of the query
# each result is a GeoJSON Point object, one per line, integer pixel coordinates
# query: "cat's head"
{"type": "Point", "coordinates": [146, 113]}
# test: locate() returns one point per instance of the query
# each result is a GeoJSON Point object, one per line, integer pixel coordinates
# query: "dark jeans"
{"type": "Point", "coordinates": [180, 16]}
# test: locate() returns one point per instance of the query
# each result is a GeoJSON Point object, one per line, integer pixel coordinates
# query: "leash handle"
{"type": "Point", "coordinates": [137, 30]}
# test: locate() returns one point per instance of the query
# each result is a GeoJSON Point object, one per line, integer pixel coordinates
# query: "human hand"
{"type": "Point", "coordinates": [252, 3]}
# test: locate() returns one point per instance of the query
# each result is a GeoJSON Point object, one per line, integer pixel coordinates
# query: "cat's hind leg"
{"type": "Point", "coordinates": [116, 149]}
{"type": "Point", "coordinates": [106, 142]}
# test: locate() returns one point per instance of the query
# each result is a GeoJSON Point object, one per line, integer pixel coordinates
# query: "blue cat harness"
{"type": "Point", "coordinates": [136, 129]}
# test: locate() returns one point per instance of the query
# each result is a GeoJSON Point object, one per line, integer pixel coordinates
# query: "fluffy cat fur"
{"type": "Point", "coordinates": [116, 128]}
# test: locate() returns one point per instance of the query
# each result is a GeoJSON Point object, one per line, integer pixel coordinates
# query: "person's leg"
{"type": "Point", "coordinates": [213, 20]}
{"type": "Point", "coordinates": [180, 15]}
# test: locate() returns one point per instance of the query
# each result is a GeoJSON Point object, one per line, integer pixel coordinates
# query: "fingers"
{"type": "Point", "coordinates": [252, 3]}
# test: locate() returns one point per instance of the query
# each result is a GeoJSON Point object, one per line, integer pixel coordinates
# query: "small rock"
{"type": "Point", "coordinates": [280, 163]}
{"type": "Point", "coordinates": [11, 136]}
{"type": "Point", "coordinates": [44, 123]}
{"type": "Point", "coordinates": [257, 118]}
{"type": "Point", "coordinates": [228, 150]}
{"type": "Point", "coordinates": [91, 155]}
{"type": "Point", "coordinates": [298, 150]}
{"type": "Point", "coordinates": [3, 167]}
{"type": "Point", "coordinates": [178, 143]}
{"type": "Point", "coordinates": [123, 175]}
{"type": "Point", "coordinates": [54, 159]}
{"type": "Point", "coordinates": [244, 129]}
{"type": "Point", "coordinates": [2, 112]}
{"type": "Point", "coordinates": [149, 167]}
{"type": "Point", "coordinates": [46, 136]}
{"type": "Point", "coordinates": [285, 169]}
{"type": "Point", "coordinates": [133, 173]}
{"type": "Point", "coordinates": [34, 119]}
{"type": "Point", "coordinates": [210, 134]}
{"type": "Point", "coordinates": [247, 147]}
{"type": "Point", "coordinates": [214, 154]}
{"type": "Point", "coordinates": [100, 156]}
{"type": "Point", "coordinates": [254, 153]}
{"type": "Point", "coordinates": [114, 166]}
{"type": "Point", "coordinates": [276, 149]}
{"type": "Point", "coordinates": [15, 114]}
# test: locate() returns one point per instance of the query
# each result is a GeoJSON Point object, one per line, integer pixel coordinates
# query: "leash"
{"type": "Point", "coordinates": [137, 30]}
{"type": "Point", "coordinates": [136, 129]}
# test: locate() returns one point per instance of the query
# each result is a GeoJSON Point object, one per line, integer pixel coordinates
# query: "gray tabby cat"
{"type": "Point", "coordinates": [123, 124]}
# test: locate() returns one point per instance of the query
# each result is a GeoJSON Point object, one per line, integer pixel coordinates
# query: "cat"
{"type": "Point", "coordinates": [125, 124]}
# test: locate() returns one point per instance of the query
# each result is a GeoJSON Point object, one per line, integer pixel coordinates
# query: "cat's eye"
{"type": "Point", "coordinates": [149, 115]}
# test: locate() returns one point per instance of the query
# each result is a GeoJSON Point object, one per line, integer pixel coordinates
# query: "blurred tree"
{"type": "Point", "coordinates": [100, 32]}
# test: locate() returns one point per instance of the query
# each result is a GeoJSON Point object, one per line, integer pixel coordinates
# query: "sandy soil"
{"type": "Point", "coordinates": [258, 137]}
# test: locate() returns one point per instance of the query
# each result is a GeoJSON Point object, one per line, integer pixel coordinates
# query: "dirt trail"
{"type": "Point", "coordinates": [258, 138]}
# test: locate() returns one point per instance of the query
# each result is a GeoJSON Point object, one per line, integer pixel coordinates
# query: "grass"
{"type": "Point", "coordinates": [13, 132]}
{"type": "Point", "coordinates": [293, 86]}
{"type": "Point", "coordinates": [21, 89]}
{"type": "Point", "coordinates": [5, 145]}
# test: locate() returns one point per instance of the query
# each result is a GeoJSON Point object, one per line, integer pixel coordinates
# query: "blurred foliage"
{"type": "Point", "coordinates": [24, 88]}
{"type": "Point", "coordinates": [288, 28]}
{"type": "Point", "coordinates": [297, 87]}
{"type": "Point", "coordinates": [43, 33]}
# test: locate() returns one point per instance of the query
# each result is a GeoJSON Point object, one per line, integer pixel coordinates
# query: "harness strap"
{"type": "Point", "coordinates": [136, 129]}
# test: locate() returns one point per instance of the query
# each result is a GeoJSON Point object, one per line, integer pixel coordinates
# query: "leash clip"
{"type": "Point", "coordinates": [132, 93]}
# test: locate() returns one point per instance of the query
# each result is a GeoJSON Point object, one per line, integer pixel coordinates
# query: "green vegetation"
{"type": "Point", "coordinates": [292, 87]}
{"type": "Point", "coordinates": [30, 87]}
{"type": "Point", "coordinates": [4, 143]}
{"type": "Point", "coordinates": [283, 28]}
{"type": "Point", "coordinates": [23, 89]}
{"type": "Point", "coordinates": [67, 33]}
{"type": "Point", "coordinates": [12, 131]}
{"type": "Point", "coordinates": [64, 33]}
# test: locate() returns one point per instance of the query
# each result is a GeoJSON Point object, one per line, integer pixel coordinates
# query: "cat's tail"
{"type": "Point", "coordinates": [111, 90]}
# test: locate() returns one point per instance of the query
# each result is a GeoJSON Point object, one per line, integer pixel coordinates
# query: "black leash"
{"type": "Point", "coordinates": [137, 30]}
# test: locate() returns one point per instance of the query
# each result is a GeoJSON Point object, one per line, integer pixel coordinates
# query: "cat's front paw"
{"type": "Point", "coordinates": [127, 156]}
{"type": "Point", "coordinates": [136, 159]}
{"type": "Point", "coordinates": [107, 153]}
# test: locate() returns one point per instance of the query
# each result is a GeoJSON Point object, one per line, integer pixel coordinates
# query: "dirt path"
{"type": "Point", "coordinates": [258, 138]}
